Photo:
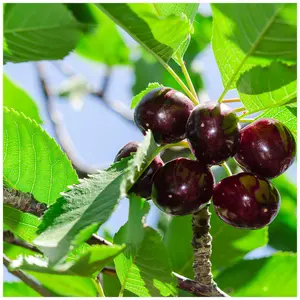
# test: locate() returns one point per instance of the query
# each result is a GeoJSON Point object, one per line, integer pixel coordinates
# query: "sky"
{"type": "Point", "coordinates": [98, 133]}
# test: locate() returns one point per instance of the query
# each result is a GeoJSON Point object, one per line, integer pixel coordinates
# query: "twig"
{"type": "Point", "coordinates": [61, 133]}
{"type": "Point", "coordinates": [198, 289]}
{"type": "Point", "coordinates": [231, 100]}
{"type": "Point", "coordinates": [26, 279]}
{"type": "Point", "coordinates": [115, 106]}
{"type": "Point", "coordinates": [240, 109]}
{"type": "Point", "coordinates": [97, 240]}
{"type": "Point", "coordinates": [188, 285]}
{"type": "Point", "coordinates": [10, 238]}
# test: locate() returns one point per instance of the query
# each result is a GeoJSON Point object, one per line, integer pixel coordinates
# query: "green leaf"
{"type": "Point", "coordinates": [112, 286]}
{"type": "Point", "coordinates": [202, 33]}
{"type": "Point", "coordinates": [274, 276]}
{"type": "Point", "coordinates": [168, 9]}
{"type": "Point", "coordinates": [249, 34]}
{"type": "Point", "coordinates": [104, 44]}
{"type": "Point", "coordinates": [38, 31]}
{"type": "Point", "coordinates": [286, 114]}
{"type": "Point", "coordinates": [60, 285]}
{"type": "Point", "coordinates": [67, 285]}
{"type": "Point", "coordinates": [18, 289]}
{"type": "Point", "coordinates": [76, 216]}
{"type": "Point", "coordinates": [13, 251]}
{"type": "Point", "coordinates": [33, 162]}
{"type": "Point", "coordinates": [22, 224]}
{"type": "Point", "coordinates": [63, 285]}
{"type": "Point", "coordinates": [283, 230]}
{"type": "Point", "coordinates": [143, 268]}
{"type": "Point", "coordinates": [145, 271]}
{"type": "Point", "coordinates": [238, 242]}
{"type": "Point", "coordinates": [92, 260]}
{"type": "Point", "coordinates": [138, 208]}
{"type": "Point", "coordinates": [161, 36]}
{"type": "Point", "coordinates": [145, 153]}
{"type": "Point", "coordinates": [136, 99]}
{"type": "Point", "coordinates": [157, 73]}
{"type": "Point", "coordinates": [266, 87]}
{"type": "Point", "coordinates": [178, 238]}
{"type": "Point", "coordinates": [15, 97]}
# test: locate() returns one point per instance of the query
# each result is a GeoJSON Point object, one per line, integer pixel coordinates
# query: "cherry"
{"type": "Point", "coordinates": [165, 111]}
{"type": "Point", "coordinates": [267, 147]}
{"type": "Point", "coordinates": [143, 186]}
{"type": "Point", "coordinates": [213, 132]}
{"type": "Point", "coordinates": [246, 201]}
{"type": "Point", "coordinates": [182, 186]}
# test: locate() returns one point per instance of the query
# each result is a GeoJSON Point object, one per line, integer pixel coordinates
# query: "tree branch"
{"type": "Point", "coordinates": [202, 246]}
{"type": "Point", "coordinates": [26, 279]}
{"type": "Point", "coordinates": [184, 283]}
{"type": "Point", "coordinates": [10, 238]}
{"type": "Point", "coordinates": [202, 251]}
{"type": "Point", "coordinates": [97, 240]}
{"type": "Point", "coordinates": [60, 131]}
{"type": "Point", "coordinates": [115, 106]}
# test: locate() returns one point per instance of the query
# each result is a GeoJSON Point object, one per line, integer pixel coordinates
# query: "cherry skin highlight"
{"type": "Point", "coordinates": [165, 111]}
{"type": "Point", "coordinates": [213, 132]}
{"type": "Point", "coordinates": [246, 201]}
{"type": "Point", "coordinates": [267, 147]}
{"type": "Point", "coordinates": [143, 186]}
{"type": "Point", "coordinates": [182, 186]}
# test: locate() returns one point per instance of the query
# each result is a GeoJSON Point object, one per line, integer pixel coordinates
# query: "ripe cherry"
{"type": "Point", "coordinates": [246, 201]}
{"type": "Point", "coordinates": [165, 111]}
{"type": "Point", "coordinates": [143, 186]}
{"type": "Point", "coordinates": [267, 147]}
{"type": "Point", "coordinates": [213, 132]}
{"type": "Point", "coordinates": [182, 186]}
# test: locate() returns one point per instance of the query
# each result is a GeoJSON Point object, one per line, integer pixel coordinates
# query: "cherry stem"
{"type": "Point", "coordinates": [99, 288]}
{"type": "Point", "coordinates": [240, 109]}
{"type": "Point", "coordinates": [187, 76]}
{"type": "Point", "coordinates": [246, 120]}
{"type": "Point", "coordinates": [180, 82]}
{"type": "Point", "coordinates": [226, 168]}
{"type": "Point", "coordinates": [231, 100]}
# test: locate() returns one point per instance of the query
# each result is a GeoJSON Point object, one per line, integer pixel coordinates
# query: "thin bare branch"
{"type": "Point", "coordinates": [10, 238]}
{"type": "Point", "coordinates": [61, 133]}
{"type": "Point", "coordinates": [115, 106]}
{"type": "Point", "coordinates": [28, 280]}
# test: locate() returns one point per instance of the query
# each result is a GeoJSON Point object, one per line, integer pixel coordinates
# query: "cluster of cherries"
{"type": "Point", "coordinates": [264, 149]}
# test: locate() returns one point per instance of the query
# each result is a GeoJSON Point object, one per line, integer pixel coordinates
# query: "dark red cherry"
{"type": "Point", "coordinates": [143, 186]}
{"type": "Point", "coordinates": [267, 147]}
{"type": "Point", "coordinates": [213, 132]}
{"type": "Point", "coordinates": [165, 111]}
{"type": "Point", "coordinates": [246, 201]}
{"type": "Point", "coordinates": [182, 186]}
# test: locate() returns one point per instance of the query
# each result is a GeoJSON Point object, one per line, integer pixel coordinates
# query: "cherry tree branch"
{"type": "Point", "coordinates": [9, 237]}
{"type": "Point", "coordinates": [26, 279]}
{"type": "Point", "coordinates": [115, 106]}
{"type": "Point", "coordinates": [186, 284]}
{"type": "Point", "coordinates": [61, 133]}
{"type": "Point", "coordinates": [202, 251]}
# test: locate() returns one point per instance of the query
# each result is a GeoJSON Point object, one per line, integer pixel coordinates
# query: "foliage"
{"type": "Point", "coordinates": [33, 162]}
{"type": "Point", "coordinates": [255, 49]}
